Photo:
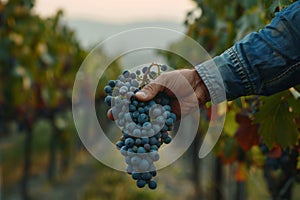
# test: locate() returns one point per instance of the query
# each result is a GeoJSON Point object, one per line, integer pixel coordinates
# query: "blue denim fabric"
{"type": "Point", "coordinates": [263, 63]}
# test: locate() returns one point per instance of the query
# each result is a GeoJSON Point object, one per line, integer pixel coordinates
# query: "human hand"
{"type": "Point", "coordinates": [175, 82]}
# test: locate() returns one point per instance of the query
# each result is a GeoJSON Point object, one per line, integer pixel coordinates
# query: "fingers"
{"type": "Point", "coordinates": [149, 91]}
{"type": "Point", "coordinates": [110, 115]}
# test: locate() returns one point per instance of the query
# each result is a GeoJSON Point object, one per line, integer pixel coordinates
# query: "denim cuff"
{"type": "Point", "coordinates": [210, 75]}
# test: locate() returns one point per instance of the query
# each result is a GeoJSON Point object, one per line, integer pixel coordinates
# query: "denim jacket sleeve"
{"type": "Point", "coordinates": [262, 63]}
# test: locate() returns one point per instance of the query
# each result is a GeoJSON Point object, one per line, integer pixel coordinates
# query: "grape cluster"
{"type": "Point", "coordinates": [144, 125]}
{"type": "Point", "coordinates": [277, 162]}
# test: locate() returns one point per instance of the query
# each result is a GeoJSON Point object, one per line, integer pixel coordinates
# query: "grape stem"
{"type": "Point", "coordinates": [145, 79]}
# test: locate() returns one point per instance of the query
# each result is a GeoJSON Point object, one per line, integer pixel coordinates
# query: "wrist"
{"type": "Point", "coordinates": [200, 88]}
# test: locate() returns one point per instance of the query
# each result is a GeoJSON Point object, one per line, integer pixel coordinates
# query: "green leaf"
{"type": "Point", "coordinates": [276, 122]}
{"type": "Point", "coordinates": [273, 6]}
{"type": "Point", "coordinates": [230, 147]}
{"type": "Point", "coordinates": [297, 87]}
{"type": "Point", "coordinates": [230, 125]}
{"type": "Point", "coordinates": [279, 3]}
{"type": "Point", "coordinates": [294, 104]}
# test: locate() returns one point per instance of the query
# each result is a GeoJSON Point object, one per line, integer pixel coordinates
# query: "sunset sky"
{"type": "Point", "coordinates": [118, 11]}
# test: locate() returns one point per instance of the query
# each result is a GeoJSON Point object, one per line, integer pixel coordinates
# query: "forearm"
{"type": "Point", "coordinates": [262, 63]}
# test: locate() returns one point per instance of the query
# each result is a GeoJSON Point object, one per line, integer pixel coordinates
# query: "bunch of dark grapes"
{"type": "Point", "coordinates": [145, 125]}
{"type": "Point", "coordinates": [277, 162]}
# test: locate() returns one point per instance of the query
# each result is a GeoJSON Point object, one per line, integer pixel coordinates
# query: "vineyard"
{"type": "Point", "coordinates": [41, 155]}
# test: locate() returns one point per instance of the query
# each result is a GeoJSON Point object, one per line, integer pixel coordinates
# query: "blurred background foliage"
{"type": "Point", "coordinates": [41, 156]}
{"type": "Point", "coordinates": [259, 132]}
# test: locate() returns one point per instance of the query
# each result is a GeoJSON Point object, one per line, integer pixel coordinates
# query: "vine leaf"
{"type": "Point", "coordinates": [297, 88]}
{"type": "Point", "coordinates": [277, 125]}
{"type": "Point", "coordinates": [279, 3]}
{"type": "Point", "coordinates": [294, 105]}
{"type": "Point", "coordinates": [247, 133]}
{"type": "Point", "coordinates": [231, 125]}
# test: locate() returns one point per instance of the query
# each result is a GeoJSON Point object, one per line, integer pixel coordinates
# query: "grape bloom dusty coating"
{"type": "Point", "coordinates": [145, 125]}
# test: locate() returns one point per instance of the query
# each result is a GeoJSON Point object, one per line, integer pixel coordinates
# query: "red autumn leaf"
{"type": "Point", "coordinates": [227, 160]}
{"type": "Point", "coordinates": [275, 152]}
{"type": "Point", "coordinates": [241, 172]}
{"type": "Point", "coordinates": [247, 133]}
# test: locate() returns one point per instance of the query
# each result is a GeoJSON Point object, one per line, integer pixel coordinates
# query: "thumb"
{"type": "Point", "coordinates": [148, 92]}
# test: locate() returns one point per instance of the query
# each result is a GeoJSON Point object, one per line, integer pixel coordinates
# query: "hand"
{"type": "Point", "coordinates": [176, 82]}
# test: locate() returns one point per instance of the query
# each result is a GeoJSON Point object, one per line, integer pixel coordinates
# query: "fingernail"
{"type": "Point", "coordinates": [141, 94]}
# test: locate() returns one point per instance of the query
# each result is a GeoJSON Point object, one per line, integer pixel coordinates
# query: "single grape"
{"type": "Point", "coordinates": [152, 185]}
{"type": "Point", "coordinates": [126, 73]}
{"type": "Point", "coordinates": [133, 75]}
{"type": "Point", "coordinates": [156, 112]}
{"type": "Point", "coordinates": [173, 116]}
{"type": "Point", "coordinates": [145, 69]}
{"type": "Point", "coordinates": [119, 144]}
{"type": "Point", "coordinates": [160, 120]}
{"type": "Point", "coordinates": [166, 114]}
{"type": "Point", "coordinates": [163, 67]}
{"type": "Point", "coordinates": [121, 122]}
{"type": "Point", "coordinates": [142, 118]}
{"type": "Point", "coordinates": [152, 74]}
{"type": "Point", "coordinates": [112, 83]}
{"type": "Point", "coordinates": [167, 140]}
{"type": "Point", "coordinates": [137, 133]}
{"type": "Point", "coordinates": [153, 148]}
{"type": "Point", "coordinates": [152, 141]}
{"type": "Point", "coordinates": [164, 135]}
{"type": "Point", "coordinates": [154, 155]}
{"type": "Point", "coordinates": [129, 142]}
{"type": "Point", "coordinates": [136, 175]}
{"type": "Point", "coordinates": [123, 150]}
{"type": "Point", "coordinates": [130, 126]}
{"type": "Point", "coordinates": [153, 173]}
{"type": "Point", "coordinates": [141, 183]}
{"type": "Point", "coordinates": [147, 147]}
{"type": "Point", "coordinates": [141, 110]}
{"type": "Point", "coordinates": [135, 160]}
{"type": "Point", "coordinates": [147, 125]}
{"type": "Point", "coordinates": [141, 150]}
{"type": "Point", "coordinates": [134, 83]}
{"type": "Point", "coordinates": [138, 141]}
{"type": "Point", "coordinates": [165, 128]}
{"type": "Point", "coordinates": [143, 165]}
{"type": "Point", "coordinates": [145, 140]}
{"type": "Point", "coordinates": [108, 100]}
{"type": "Point", "coordinates": [169, 122]}
{"type": "Point", "coordinates": [108, 89]}
{"type": "Point", "coordinates": [135, 102]}
{"type": "Point", "coordinates": [121, 78]}
{"type": "Point", "coordinates": [146, 109]}
{"type": "Point", "coordinates": [136, 114]}
{"type": "Point", "coordinates": [156, 128]}
{"type": "Point", "coordinates": [150, 132]}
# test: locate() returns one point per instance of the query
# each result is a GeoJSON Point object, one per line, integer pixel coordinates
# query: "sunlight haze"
{"type": "Point", "coordinates": [118, 11]}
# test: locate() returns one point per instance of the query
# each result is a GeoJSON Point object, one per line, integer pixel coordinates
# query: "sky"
{"type": "Point", "coordinates": [118, 11]}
